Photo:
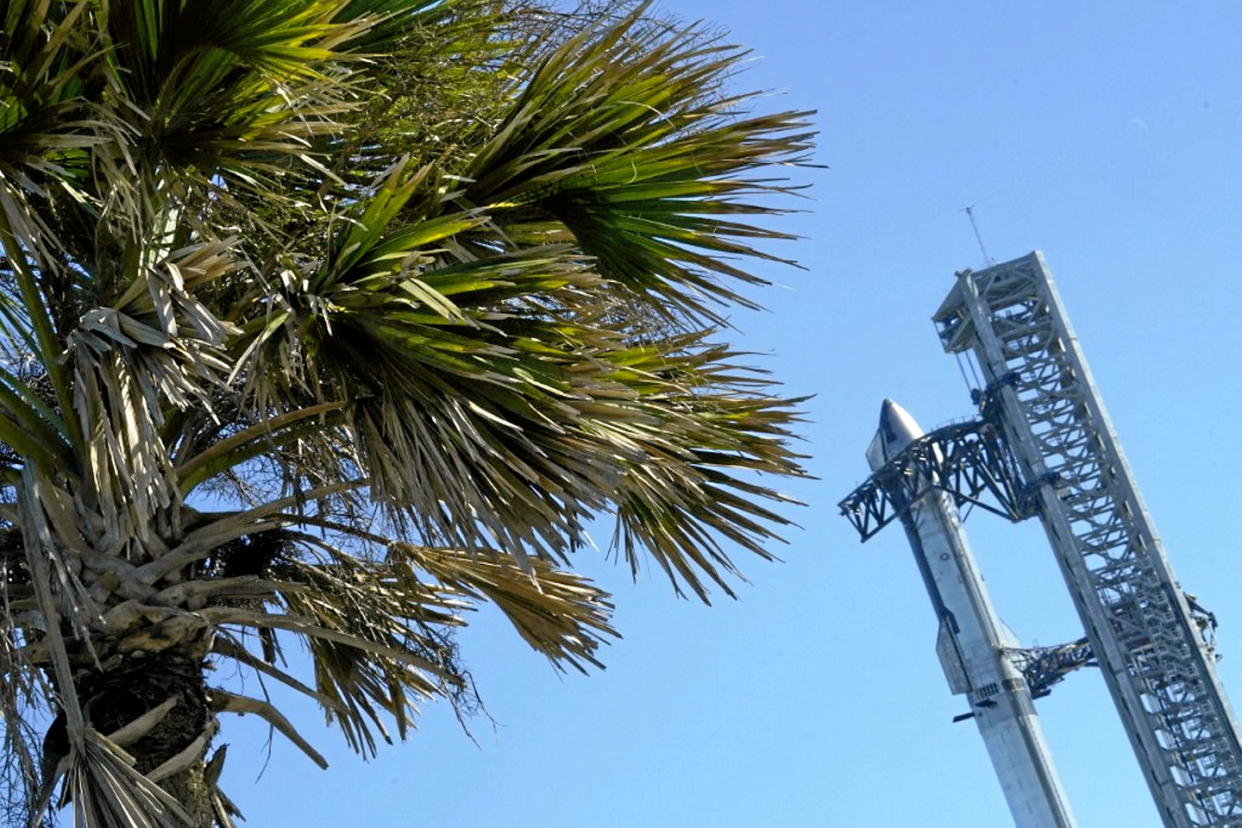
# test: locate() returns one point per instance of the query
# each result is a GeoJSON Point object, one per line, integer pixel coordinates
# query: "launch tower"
{"type": "Point", "coordinates": [1044, 446]}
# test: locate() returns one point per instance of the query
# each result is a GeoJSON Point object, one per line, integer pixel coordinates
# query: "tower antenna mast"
{"type": "Point", "coordinates": [974, 225]}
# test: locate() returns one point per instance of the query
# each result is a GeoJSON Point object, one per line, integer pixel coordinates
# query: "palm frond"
{"type": "Point", "coordinates": [372, 635]}
{"type": "Point", "coordinates": [106, 790]}
{"type": "Point", "coordinates": [621, 138]}
{"type": "Point", "coordinates": [559, 614]}
{"type": "Point", "coordinates": [712, 429]}
{"type": "Point", "coordinates": [462, 399]}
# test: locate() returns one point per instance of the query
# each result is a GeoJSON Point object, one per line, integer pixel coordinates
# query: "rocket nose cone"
{"type": "Point", "coordinates": [888, 410]}
{"type": "Point", "coordinates": [897, 430]}
{"type": "Point", "coordinates": [897, 423]}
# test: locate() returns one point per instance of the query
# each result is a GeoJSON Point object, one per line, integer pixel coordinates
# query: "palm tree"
{"type": "Point", "coordinates": [322, 321]}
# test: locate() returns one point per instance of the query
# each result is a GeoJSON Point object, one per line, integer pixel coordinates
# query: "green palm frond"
{"type": "Point", "coordinates": [463, 398]}
{"type": "Point", "coordinates": [712, 429]}
{"type": "Point", "coordinates": [46, 132]}
{"type": "Point", "coordinates": [175, 58]}
{"type": "Point", "coordinates": [224, 103]}
{"type": "Point", "coordinates": [389, 21]}
{"type": "Point", "coordinates": [621, 138]}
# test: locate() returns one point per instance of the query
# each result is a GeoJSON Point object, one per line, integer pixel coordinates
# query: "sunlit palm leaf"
{"type": "Point", "coordinates": [560, 614]}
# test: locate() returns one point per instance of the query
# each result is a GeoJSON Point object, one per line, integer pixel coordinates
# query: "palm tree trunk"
{"type": "Point", "coordinates": [112, 698]}
{"type": "Point", "coordinates": [191, 789]}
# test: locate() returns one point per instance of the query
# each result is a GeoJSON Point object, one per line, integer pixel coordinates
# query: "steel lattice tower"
{"type": "Point", "coordinates": [1144, 632]}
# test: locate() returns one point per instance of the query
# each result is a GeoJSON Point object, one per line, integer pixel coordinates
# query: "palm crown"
{"type": "Point", "coordinates": [328, 319]}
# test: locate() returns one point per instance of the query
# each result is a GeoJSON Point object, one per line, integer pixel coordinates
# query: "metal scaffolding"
{"type": "Point", "coordinates": [1043, 667]}
{"type": "Point", "coordinates": [1149, 639]}
{"type": "Point", "coordinates": [968, 461]}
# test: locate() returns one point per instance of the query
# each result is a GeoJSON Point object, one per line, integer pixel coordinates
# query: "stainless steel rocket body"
{"type": "Point", "coordinates": [972, 643]}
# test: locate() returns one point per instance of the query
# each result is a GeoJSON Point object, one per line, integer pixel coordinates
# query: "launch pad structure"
{"type": "Point", "coordinates": [1043, 446]}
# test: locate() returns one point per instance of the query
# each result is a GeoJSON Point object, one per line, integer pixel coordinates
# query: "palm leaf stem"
{"type": "Point", "coordinates": [280, 621]}
{"type": "Point", "coordinates": [226, 702]}
{"type": "Point", "coordinates": [199, 543]}
{"type": "Point", "coordinates": [224, 645]}
{"type": "Point", "coordinates": [49, 345]}
{"type": "Point", "coordinates": [249, 443]}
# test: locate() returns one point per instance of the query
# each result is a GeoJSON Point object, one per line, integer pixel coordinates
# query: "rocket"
{"type": "Point", "coordinates": [972, 642]}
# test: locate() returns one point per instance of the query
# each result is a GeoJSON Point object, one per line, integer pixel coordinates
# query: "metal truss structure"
{"type": "Point", "coordinates": [971, 463]}
{"type": "Point", "coordinates": [1042, 667]}
{"type": "Point", "coordinates": [966, 460]}
{"type": "Point", "coordinates": [1151, 641]}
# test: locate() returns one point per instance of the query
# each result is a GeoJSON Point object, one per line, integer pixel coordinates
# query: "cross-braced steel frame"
{"type": "Point", "coordinates": [1147, 637]}
{"type": "Point", "coordinates": [971, 463]}
{"type": "Point", "coordinates": [968, 461]}
{"type": "Point", "coordinates": [1043, 667]}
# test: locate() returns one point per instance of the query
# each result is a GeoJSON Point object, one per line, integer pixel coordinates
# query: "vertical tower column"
{"type": "Point", "coordinates": [1158, 667]}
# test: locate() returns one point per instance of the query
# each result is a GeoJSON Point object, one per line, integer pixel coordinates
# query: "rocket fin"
{"type": "Point", "coordinates": [951, 658]}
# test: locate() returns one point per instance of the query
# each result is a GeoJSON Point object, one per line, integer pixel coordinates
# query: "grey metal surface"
{"type": "Point", "coordinates": [979, 655]}
{"type": "Point", "coordinates": [1146, 636]}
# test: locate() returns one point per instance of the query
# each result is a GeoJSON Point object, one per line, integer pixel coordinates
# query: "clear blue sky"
{"type": "Point", "coordinates": [1108, 135]}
